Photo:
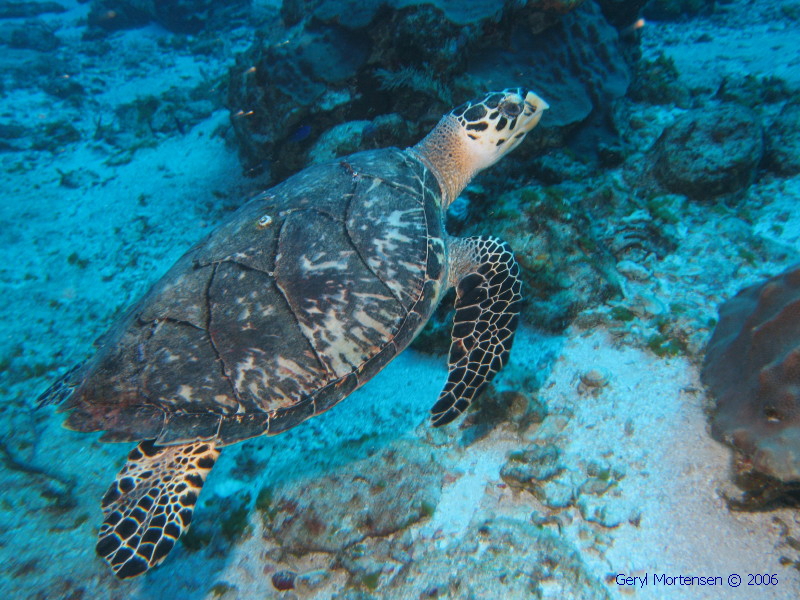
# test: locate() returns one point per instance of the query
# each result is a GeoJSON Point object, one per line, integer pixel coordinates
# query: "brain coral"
{"type": "Point", "coordinates": [710, 151]}
{"type": "Point", "coordinates": [752, 366]}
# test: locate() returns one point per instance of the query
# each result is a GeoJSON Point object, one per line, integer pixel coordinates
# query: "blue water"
{"type": "Point", "coordinates": [663, 178]}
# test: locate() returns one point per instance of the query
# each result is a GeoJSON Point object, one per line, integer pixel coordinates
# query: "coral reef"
{"type": "Point", "coordinates": [558, 237]}
{"type": "Point", "coordinates": [360, 61]}
{"type": "Point", "coordinates": [709, 152]}
{"type": "Point", "coordinates": [753, 369]}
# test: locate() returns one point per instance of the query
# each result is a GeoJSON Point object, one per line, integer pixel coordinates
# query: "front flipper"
{"type": "Point", "coordinates": [487, 310]}
{"type": "Point", "coordinates": [150, 504]}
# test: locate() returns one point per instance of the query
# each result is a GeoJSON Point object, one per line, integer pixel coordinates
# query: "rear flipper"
{"type": "Point", "coordinates": [150, 504]}
{"type": "Point", "coordinates": [488, 287]}
{"type": "Point", "coordinates": [62, 388]}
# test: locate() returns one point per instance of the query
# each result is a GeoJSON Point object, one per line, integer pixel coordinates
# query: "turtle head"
{"type": "Point", "coordinates": [494, 125]}
{"type": "Point", "coordinates": [477, 134]}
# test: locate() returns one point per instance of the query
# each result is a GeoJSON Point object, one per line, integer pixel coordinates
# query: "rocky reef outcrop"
{"type": "Point", "coordinates": [710, 151]}
{"type": "Point", "coordinates": [400, 65]}
{"type": "Point", "coordinates": [752, 367]}
{"type": "Point", "coordinates": [558, 239]}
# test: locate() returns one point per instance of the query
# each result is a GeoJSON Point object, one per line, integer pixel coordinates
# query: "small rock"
{"type": "Point", "coordinates": [64, 87]}
{"type": "Point", "coordinates": [595, 486]}
{"type": "Point", "coordinates": [594, 378]}
{"type": "Point", "coordinates": [633, 271]}
{"type": "Point", "coordinates": [312, 580]}
{"type": "Point", "coordinates": [530, 467]}
{"type": "Point", "coordinates": [552, 425]}
{"type": "Point", "coordinates": [607, 514]}
{"type": "Point", "coordinates": [374, 497]}
{"type": "Point", "coordinates": [284, 580]}
{"type": "Point", "coordinates": [557, 494]}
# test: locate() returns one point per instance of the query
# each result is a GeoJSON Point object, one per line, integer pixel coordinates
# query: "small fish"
{"type": "Point", "coordinates": [302, 133]}
{"type": "Point", "coordinates": [633, 27]}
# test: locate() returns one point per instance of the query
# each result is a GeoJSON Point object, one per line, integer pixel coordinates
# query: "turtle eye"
{"type": "Point", "coordinates": [510, 108]}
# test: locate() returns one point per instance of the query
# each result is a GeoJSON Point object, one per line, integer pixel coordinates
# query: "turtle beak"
{"type": "Point", "coordinates": [534, 108]}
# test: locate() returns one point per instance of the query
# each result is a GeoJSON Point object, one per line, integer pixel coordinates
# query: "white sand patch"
{"type": "Point", "coordinates": [462, 499]}
{"type": "Point", "coordinates": [649, 424]}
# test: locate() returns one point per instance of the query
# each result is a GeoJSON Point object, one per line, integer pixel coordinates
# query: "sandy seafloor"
{"type": "Point", "coordinates": [124, 224]}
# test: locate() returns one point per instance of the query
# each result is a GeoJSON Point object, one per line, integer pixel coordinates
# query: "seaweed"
{"type": "Point", "coordinates": [77, 261]}
{"type": "Point", "coordinates": [371, 580]}
{"type": "Point", "coordinates": [220, 589]}
{"type": "Point", "coordinates": [236, 520]}
{"type": "Point", "coordinates": [662, 345]}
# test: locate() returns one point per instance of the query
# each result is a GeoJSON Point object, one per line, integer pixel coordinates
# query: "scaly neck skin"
{"type": "Point", "coordinates": [443, 151]}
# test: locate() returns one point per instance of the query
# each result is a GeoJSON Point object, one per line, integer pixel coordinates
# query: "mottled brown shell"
{"type": "Point", "coordinates": [296, 300]}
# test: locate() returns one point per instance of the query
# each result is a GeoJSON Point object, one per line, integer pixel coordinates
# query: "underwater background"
{"type": "Point", "coordinates": [616, 452]}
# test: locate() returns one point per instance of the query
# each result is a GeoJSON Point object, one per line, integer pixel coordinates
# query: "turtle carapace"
{"type": "Point", "coordinates": [293, 302]}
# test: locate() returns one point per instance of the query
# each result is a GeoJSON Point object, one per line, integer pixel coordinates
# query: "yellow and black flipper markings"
{"type": "Point", "coordinates": [488, 299]}
{"type": "Point", "coordinates": [150, 504]}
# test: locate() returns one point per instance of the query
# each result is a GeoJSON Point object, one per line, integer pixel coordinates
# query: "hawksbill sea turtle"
{"type": "Point", "coordinates": [294, 301]}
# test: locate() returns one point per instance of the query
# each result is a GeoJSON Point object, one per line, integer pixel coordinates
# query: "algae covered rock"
{"type": "Point", "coordinates": [709, 152]}
{"type": "Point", "coordinates": [577, 60]}
{"type": "Point", "coordinates": [783, 141]}
{"type": "Point", "coordinates": [558, 238]}
{"type": "Point", "coordinates": [658, 82]}
{"type": "Point", "coordinates": [528, 469]}
{"type": "Point", "coordinates": [499, 558]}
{"type": "Point", "coordinates": [752, 368]}
{"type": "Point", "coordinates": [374, 497]}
